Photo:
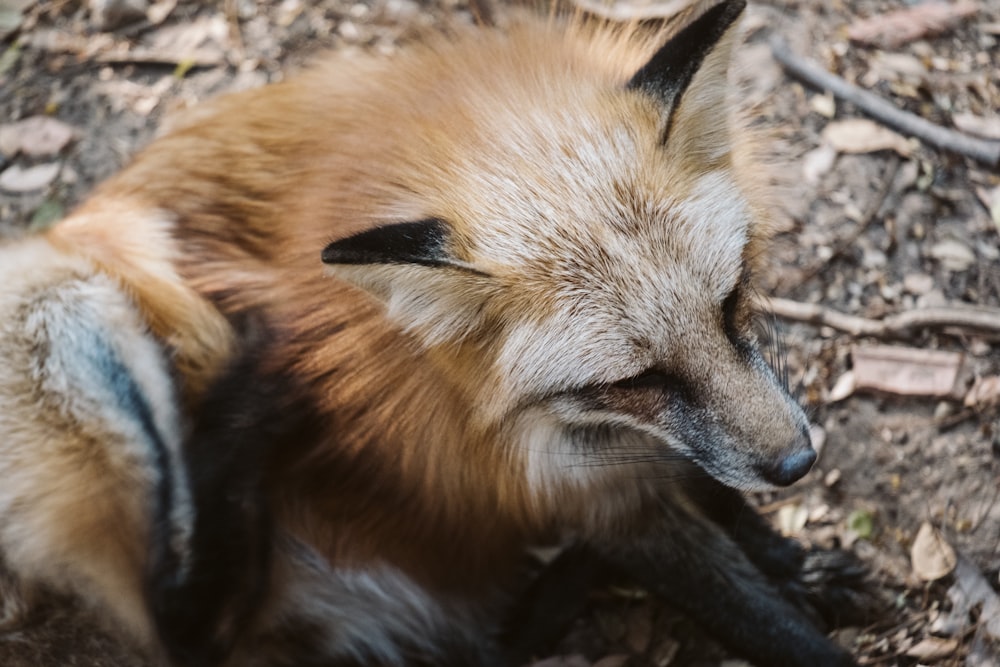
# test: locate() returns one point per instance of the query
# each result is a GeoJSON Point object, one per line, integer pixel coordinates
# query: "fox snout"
{"type": "Point", "coordinates": [741, 424]}
{"type": "Point", "coordinates": [792, 463]}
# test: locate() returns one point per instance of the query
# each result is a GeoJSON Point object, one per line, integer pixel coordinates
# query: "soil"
{"type": "Point", "coordinates": [869, 234]}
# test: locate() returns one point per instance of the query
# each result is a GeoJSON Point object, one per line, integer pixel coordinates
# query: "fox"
{"type": "Point", "coordinates": [306, 381]}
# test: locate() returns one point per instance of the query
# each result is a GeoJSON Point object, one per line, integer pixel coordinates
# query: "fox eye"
{"type": "Point", "coordinates": [651, 379]}
{"type": "Point", "coordinates": [736, 311]}
{"type": "Point", "coordinates": [731, 315]}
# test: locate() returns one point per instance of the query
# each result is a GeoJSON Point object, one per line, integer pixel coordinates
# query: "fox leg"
{"type": "Point", "coordinates": [697, 566]}
{"type": "Point", "coordinates": [830, 585]}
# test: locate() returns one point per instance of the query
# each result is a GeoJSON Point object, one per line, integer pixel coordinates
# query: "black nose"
{"type": "Point", "coordinates": [790, 468]}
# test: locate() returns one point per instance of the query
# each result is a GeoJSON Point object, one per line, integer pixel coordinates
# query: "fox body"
{"type": "Point", "coordinates": [301, 384]}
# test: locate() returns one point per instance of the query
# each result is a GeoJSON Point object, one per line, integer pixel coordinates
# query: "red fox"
{"type": "Point", "coordinates": [303, 383]}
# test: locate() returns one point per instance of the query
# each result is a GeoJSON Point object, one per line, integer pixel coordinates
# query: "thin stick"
{"type": "Point", "coordinates": [900, 325]}
{"type": "Point", "coordinates": [810, 72]}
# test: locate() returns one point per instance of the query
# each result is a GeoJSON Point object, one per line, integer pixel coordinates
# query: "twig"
{"type": "Point", "coordinates": [874, 205]}
{"type": "Point", "coordinates": [205, 59]}
{"type": "Point", "coordinates": [237, 52]}
{"type": "Point", "coordinates": [974, 318]}
{"type": "Point", "coordinates": [810, 72]}
{"type": "Point", "coordinates": [778, 504]}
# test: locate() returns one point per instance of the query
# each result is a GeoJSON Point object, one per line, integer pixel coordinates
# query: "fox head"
{"type": "Point", "coordinates": [579, 252]}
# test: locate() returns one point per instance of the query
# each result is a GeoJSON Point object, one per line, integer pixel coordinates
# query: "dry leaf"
{"type": "Point", "coordinates": [894, 29]}
{"type": "Point", "coordinates": [991, 200]}
{"type": "Point", "coordinates": [825, 105]}
{"type": "Point", "coordinates": [158, 12]}
{"type": "Point", "coordinates": [860, 135]}
{"type": "Point", "coordinates": [111, 14]}
{"type": "Point", "coordinates": [984, 392]}
{"type": "Point", "coordinates": [818, 162]}
{"type": "Point", "coordinates": [21, 179]}
{"type": "Point", "coordinates": [844, 387]}
{"type": "Point", "coordinates": [969, 591]}
{"type": "Point", "coordinates": [905, 371]}
{"type": "Point", "coordinates": [987, 127]}
{"type": "Point", "coordinates": [932, 557]}
{"type": "Point", "coordinates": [918, 283]}
{"type": "Point", "coordinates": [931, 649]}
{"type": "Point", "coordinates": [35, 136]}
{"type": "Point", "coordinates": [953, 255]}
{"type": "Point", "coordinates": [792, 519]}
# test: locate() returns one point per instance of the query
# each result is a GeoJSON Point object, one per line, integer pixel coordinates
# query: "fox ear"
{"type": "Point", "coordinates": [421, 242]}
{"type": "Point", "coordinates": [688, 73]}
{"type": "Point", "coordinates": [409, 267]}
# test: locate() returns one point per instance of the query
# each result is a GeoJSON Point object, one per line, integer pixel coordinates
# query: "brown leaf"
{"type": "Point", "coordinates": [35, 136]}
{"type": "Point", "coordinates": [158, 12]}
{"type": "Point", "coordinates": [984, 392]}
{"type": "Point", "coordinates": [953, 254]}
{"type": "Point", "coordinates": [970, 590]}
{"type": "Point", "coordinates": [932, 557]}
{"type": "Point", "coordinates": [987, 127]}
{"type": "Point", "coordinates": [905, 371]}
{"type": "Point", "coordinates": [894, 29]}
{"type": "Point", "coordinates": [112, 14]}
{"type": "Point", "coordinates": [930, 649]}
{"type": "Point", "coordinates": [29, 179]}
{"type": "Point", "coordinates": [860, 135]}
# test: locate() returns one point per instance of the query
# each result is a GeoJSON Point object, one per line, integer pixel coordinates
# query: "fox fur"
{"type": "Point", "coordinates": [302, 384]}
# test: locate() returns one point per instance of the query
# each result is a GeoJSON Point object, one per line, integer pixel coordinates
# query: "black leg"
{"type": "Point", "coordinates": [696, 565]}
{"type": "Point", "coordinates": [831, 586]}
{"type": "Point", "coordinates": [204, 592]}
{"type": "Point", "coordinates": [557, 595]}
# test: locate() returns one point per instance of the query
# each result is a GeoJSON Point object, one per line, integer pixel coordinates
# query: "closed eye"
{"type": "Point", "coordinates": [650, 379]}
{"type": "Point", "coordinates": [731, 314]}
{"type": "Point", "coordinates": [735, 313]}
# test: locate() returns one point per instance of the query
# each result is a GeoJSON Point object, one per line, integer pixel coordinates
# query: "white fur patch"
{"type": "Point", "coordinates": [715, 228]}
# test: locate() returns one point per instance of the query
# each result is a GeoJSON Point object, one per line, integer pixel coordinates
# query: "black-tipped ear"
{"type": "Point", "coordinates": [421, 242]}
{"type": "Point", "coordinates": [669, 72]}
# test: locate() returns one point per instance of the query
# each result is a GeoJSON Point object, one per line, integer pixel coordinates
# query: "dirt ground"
{"type": "Point", "coordinates": [866, 232]}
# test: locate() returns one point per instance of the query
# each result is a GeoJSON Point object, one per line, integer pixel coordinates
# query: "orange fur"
{"type": "Point", "coordinates": [549, 173]}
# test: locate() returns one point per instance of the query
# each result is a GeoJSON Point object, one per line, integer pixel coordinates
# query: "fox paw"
{"type": "Point", "coordinates": [834, 586]}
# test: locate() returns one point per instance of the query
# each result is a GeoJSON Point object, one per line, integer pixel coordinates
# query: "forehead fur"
{"type": "Point", "coordinates": [556, 181]}
{"type": "Point", "coordinates": [559, 186]}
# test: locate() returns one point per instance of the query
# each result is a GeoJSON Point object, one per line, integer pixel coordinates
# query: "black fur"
{"type": "Point", "coordinates": [710, 555]}
{"type": "Point", "coordinates": [421, 242]}
{"type": "Point", "coordinates": [669, 72]}
{"type": "Point", "coordinates": [246, 417]}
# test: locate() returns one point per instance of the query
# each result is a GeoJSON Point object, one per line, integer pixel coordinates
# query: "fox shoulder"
{"type": "Point", "coordinates": [90, 432]}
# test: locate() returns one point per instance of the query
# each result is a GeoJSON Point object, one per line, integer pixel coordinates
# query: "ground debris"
{"type": "Point", "coordinates": [894, 29]}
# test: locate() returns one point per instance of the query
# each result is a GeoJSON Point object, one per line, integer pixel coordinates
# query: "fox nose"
{"type": "Point", "coordinates": [791, 466]}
